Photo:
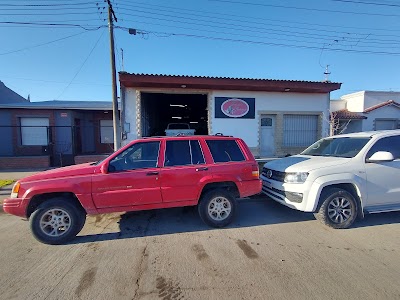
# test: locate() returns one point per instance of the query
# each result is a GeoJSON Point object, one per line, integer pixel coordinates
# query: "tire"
{"type": "Point", "coordinates": [56, 221]}
{"type": "Point", "coordinates": [217, 208]}
{"type": "Point", "coordinates": [338, 209]}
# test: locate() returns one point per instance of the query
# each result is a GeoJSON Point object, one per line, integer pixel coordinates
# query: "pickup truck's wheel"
{"type": "Point", "coordinates": [217, 208]}
{"type": "Point", "coordinates": [338, 209]}
{"type": "Point", "coordinates": [56, 221]}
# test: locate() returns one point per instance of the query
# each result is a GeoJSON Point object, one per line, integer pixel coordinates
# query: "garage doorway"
{"type": "Point", "coordinates": [160, 109]}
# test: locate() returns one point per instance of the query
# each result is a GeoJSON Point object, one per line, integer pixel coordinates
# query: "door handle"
{"type": "Point", "coordinates": [152, 173]}
{"type": "Point", "coordinates": [201, 169]}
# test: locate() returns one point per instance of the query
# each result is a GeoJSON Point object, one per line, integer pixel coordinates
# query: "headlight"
{"type": "Point", "coordinates": [15, 190]}
{"type": "Point", "coordinates": [299, 177]}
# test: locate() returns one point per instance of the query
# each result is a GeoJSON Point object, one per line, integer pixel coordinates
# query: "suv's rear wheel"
{"type": "Point", "coordinates": [217, 208]}
{"type": "Point", "coordinates": [56, 221]}
{"type": "Point", "coordinates": [338, 209]}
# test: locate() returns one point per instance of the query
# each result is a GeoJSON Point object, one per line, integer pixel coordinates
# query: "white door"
{"type": "Point", "coordinates": [383, 177]}
{"type": "Point", "coordinates": [267, 135]}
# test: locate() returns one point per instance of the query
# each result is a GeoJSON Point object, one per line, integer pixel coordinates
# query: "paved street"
{"type": "Point", "coordinates": [270, 252]}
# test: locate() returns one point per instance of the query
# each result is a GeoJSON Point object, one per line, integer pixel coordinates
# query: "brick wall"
{"type": "Point", "coordinates": [80, 159]}
{"type": "Point", "coordinates": [24, 162]}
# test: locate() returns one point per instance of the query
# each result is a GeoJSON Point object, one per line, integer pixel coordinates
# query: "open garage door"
{"type": "Point", "coordinates": [158, 110]}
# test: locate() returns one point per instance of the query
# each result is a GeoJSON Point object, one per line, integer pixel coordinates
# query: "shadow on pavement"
{"type": "Point", "coordinates": [377, 219]}
{"type": "Point", "coordinates": [250, 212]}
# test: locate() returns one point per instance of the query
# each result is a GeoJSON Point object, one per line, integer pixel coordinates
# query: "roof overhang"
{"type": "Point", "coordinates": [222, 83]}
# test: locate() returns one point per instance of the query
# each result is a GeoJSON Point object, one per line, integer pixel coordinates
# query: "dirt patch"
{"type": "Point", "coordinates": [86, 281]}
{"type": "Point", "coordinates": [247, 250]}
{"type": "Point", "coordinates": [200, 252]}
{"type": "Point", "coordinates": [167, 289]}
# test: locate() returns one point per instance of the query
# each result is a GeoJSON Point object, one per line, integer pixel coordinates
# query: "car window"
{"type": "Point", "coordinates": [177, 153]}
{"type": "Point", "coordinates": [182, 153]}
{"type": "Point", "coordinates": [138, 156]}
{"type": "Point", "coordinates": [390, 144]}
{"type": "Point", "coordinates": [197, 154]}
{"type": "Point", "coordinates": [225, 150]}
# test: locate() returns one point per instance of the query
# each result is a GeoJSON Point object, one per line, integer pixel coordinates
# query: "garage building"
{"type": "Point", "coordinates": [274, 117]}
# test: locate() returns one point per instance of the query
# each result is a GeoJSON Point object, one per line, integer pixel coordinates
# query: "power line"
{"type": "Point", "coordinates": [44, 5]}
{"type": "Point", "coordinates": [80, 68]}
{"type": "Point", "coordinates": [367, 3]}
{"type": "Point", "coordinates": [52, 14]}
{"type": "Point", "coordinates": [47, 8]}
{"type": "Point", "coordinates": [246, 28]}
{"type": "Point", "coordinates": [235, 16]}
{"type": "Point", "coordinates": [264, 43]}
{"type": "Point", "coordinates": [55, 24]}
{"type": "Point", "coordinates": [307, 9]}
{"type": "Point", "coordinates": [322, 42]}
{"type": "Point", "coordinates": [43, 44]}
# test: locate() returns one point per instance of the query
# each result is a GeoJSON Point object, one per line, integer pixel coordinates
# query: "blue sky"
{"type": "Point", "coordinates": [272, 39]}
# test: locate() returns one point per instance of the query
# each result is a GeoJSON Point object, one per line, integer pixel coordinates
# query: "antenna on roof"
{"type": "Point", "coordinates": [29, 98]}
{"type": "Point", "coordinates": [327, 73]}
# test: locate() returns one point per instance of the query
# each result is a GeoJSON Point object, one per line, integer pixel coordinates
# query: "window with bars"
{"type": "Point", "coordinates": [106, 132]}
{"type": "Point", "coordinates": [299, 130]}
{"type": "Point", "coordinates": [34, 131]}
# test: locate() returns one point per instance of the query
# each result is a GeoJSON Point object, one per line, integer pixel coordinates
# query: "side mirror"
{"type": "Point", "coordinates": [104, 168]}
{"type": "Point", "coordinates": [381, 156]}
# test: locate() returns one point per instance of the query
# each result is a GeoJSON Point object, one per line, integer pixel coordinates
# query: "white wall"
{"type": "Point", "coordinates": [354, 102]}
{"type": "Point", "coordinates": [358, 102]}
{"type": "Point", "coordinates": [337, 105]}
{"type": "Point", "coordinates": [386, 112]}
{"type": "Point", "coordinates": [130, 114]}
{"type": "Point", "coordinates": [247, 129]}
{"type": "Point", "coordinates": [374, 98]}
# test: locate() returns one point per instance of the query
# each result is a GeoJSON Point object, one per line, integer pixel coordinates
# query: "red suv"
{"type": "Point", "coordinates": [149, 173]}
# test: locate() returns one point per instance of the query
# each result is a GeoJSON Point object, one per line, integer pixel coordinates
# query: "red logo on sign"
{"type": "Point", "coordinates": [235, 108]}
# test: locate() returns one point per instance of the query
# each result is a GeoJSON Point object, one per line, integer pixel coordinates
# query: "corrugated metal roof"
{"type": "Point", "coordinates": [231, 78]}
{"type": "Point", "coordinates": [58, 104]}
{"type": "Point", "coordinates": [162, 81]}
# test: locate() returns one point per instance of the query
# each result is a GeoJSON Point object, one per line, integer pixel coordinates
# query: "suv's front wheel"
{"type": "Point", "coordinates": [338, 209]}
{"type": "Point", "coordinates": [217, 208]}
{"type": "Point", "coordinates": [56, 221]}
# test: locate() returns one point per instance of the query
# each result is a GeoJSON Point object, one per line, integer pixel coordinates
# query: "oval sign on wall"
{"type": "Point", "coordinates": [235, 108]}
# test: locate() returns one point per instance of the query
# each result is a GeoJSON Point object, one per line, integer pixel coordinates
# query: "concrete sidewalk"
{"type": "Point", "coordinates": [17, 174]}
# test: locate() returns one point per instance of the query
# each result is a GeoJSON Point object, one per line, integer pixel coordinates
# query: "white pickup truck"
{"type": "Point", "coordinates": [339, 178]}
{"type": "Point", "coordinates": [174, 129]}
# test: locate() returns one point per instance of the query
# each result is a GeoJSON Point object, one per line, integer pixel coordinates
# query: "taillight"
{"type": "Point", "coordinates": [15, 190]}
{"type": "Point", "coordinates": [254, 171]}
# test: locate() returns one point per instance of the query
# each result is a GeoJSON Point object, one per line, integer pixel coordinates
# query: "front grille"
{"type": "Point", "coordinates": [276, 175]}
{"type": "Point", "coordinates": [293, 197]}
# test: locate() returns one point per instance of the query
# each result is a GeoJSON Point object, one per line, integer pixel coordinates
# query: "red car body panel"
{"type": "Point", "coordinates": [100, 191]}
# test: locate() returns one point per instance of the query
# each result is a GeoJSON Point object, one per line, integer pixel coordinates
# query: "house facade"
{"type": "Point", "coordinates": [54, 133]}
{"type": "Point", "coordinates": [274, 117]}
{"type": "Point", "coordinates": [366, 111]}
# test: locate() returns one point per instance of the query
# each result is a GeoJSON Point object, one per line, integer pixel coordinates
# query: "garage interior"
{"type": "Point", "coordinates": [160, 109]}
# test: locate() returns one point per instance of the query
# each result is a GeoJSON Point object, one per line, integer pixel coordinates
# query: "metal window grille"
{"type": "Point", "coordinates": [299, 130]}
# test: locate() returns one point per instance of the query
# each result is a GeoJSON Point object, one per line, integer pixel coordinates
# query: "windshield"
{"type": "Point", "coordinates": [338, 147]}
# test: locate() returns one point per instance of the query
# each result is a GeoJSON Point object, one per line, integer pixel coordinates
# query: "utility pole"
{"type": "Point", "coordinates": [111, 16]}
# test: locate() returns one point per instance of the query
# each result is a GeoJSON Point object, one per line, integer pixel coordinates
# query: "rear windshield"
{"type": "Point", "coordinates": [225, 150]}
